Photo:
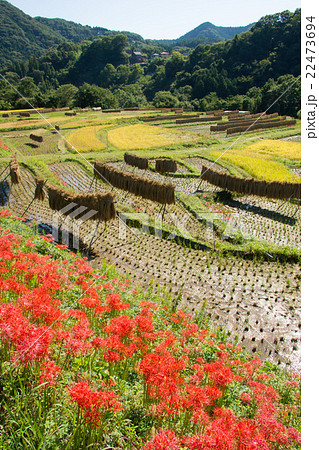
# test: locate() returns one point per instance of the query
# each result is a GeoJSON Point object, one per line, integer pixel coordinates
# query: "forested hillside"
{"type": "Point", "coordinates": [22, 36]}
{"type": "Point", "coordinates": [248, 71]}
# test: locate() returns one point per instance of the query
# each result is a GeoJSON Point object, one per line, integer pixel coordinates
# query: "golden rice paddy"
{"type": "Point", "coordinates": [85, 139]}
{"type": "Point", "coordinates": [134, 137]}
{"type": "Point", "coordinates": [270, 148]}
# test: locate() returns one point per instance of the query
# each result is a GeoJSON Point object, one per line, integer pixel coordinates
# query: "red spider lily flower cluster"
{"type": "Point", "coordinates": [59, 319]}
{"type": "Point", "coordinates": [4, 146]}
{"type": "Point", "coordinates": [49, 372]}
{"type": "Point", "coordinates": [92, 402]}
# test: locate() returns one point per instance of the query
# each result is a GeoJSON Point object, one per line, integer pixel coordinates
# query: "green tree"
{"type": "Point", "coordinates": [107, 76]}
{"type": "Point", "coordinates": [165, 99]}
{"type": "Point", "coordinates": [286, 92]}
{"type": "Point", "coordinates": [64, 95]}
{"type": "Point", "coordinates": [123, 74]}
{"type": "Point", "coordinates": [27, 87]}
{"type": "Point", "coordinates": [92, 95]}
{"type": "Point", "coordinates": [174, 64]}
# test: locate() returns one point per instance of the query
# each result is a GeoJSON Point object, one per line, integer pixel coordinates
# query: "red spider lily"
{"type": "Point", "coordinates": [34, 344]}
{"type": "Point", "coordinates": [49, 373]}
{"type": "Point", "coordinates": [191, 330]}
{"type": "Point", "coordinates": [245, 398]}
{"type": "Point", "coordinates": [219, 374]}
{"type": "Point", "coordinates": [81, 331]}
{"type": "Point", "coordinates": [76, 346]}
{"type": "Point", "coordinates": [113, 356]}
{"type": "Point", "coordinates": [120, 326]}
{"type": "Point", "coordinates": [151, 305]}
{"type": "Point", "coordinates": [273, 430]}
{"type": "Point", "coordinates": [5, 213]}
{"type": "Point", "coordinates": [62, 336]}
{"type": "Point", "coordinates": [11, 285]}
{"type": "Point", "coordinates": [144, 324]}
{"type": "Point", "coordinates": [114, 303]}
{"type": "Point", "coordinates": [248, 437]}
{"type": "Point", "coordinates": [198, 396]}
{"type": "Point", "coordinates": [161, 373]}
{"type": "Point", "coordinates": [61, 246]}
{"type": "Point", "coordinates": [90, 302]}
{"type": "Point", "coordinates": [294, 435]}
{"type": "Point", "coordinates": [29, 243]}
{"type": "Point", "coordinates": [47, 238]}
{"type": "Point", "coordinates": [201, 417]}
{"type": "Point", "coordinates": [92, 403]}
{"type": "Point", "coordinates": [41, 306]}
{"type": "Point", "coordinates": [171, 405]}
{"type": "Point", "coordinates": [292, 383]}
{"type": "Point", "coordinates": [263, 393]}
{"type": "Point", "coordinates": [98, 342]}
{"type": "Point", "coordinates": [164, 440]}
{"type": "Point", "coordinates": [12, 323]}
{"type": "Point", "coordinates": [4, 146]}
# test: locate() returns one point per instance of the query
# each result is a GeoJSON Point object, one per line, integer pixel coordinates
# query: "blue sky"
{"type": "Point", "coordinates": [166, 19]}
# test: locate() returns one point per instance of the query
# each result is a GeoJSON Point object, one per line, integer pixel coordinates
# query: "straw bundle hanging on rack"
{"type": "Point", "coordinates": [163, 165]}
{"type": "Point", "coordinates": [252, 116]}
{"type": "Point", "coordinates": [251, 186]}
{"type": "Point", "coordinates": [163, 193]}
{"type": "Point", "coordinates": [261, 125]}
{"type": "Point", "coordinates": [104, 204]}
{"type": "Point", "coordinates": [136, 161]}
{"type": "Point", "coordinates": [216, 112]}
{"type": "Point", "coordinates": [167, 117]}
{"type": "Point", "coordinates": [246, 123]}
{"type": "Point", "coordinates": [14, 170]}
{"type": "Point", "coordinates": [39, 193]}
{"type": "Point", "coordinates": [212, 118]}
{"type": "Point", "coordinates": [111, 110]}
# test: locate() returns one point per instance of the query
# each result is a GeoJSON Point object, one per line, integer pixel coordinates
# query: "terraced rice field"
{"type": "Point", "coordinates": [21, 143]}
{"type": "Point", "coordinates": [271, 148]}
{"type": "Point", "coordinates": [259, 168]}
{"type": "Point", "coordinates": [259, 303]}
{"type": "Point", "coordinates": [85, 139]}
{"type": "Point", "coordinates": [256, 299]}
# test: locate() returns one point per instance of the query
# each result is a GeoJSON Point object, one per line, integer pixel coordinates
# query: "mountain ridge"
{"type": "Point", "coordinates": [23, 36]}
{"type": "Point", "coordinates": [209, 30]}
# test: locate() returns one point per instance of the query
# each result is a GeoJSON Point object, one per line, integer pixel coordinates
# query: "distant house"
{"type": "Point", "coordinates": [165, 55]}
{"type": "Point", "coordinates": [138, 57]}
